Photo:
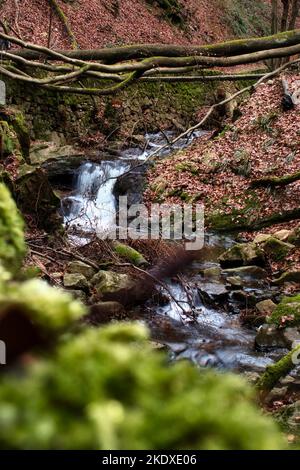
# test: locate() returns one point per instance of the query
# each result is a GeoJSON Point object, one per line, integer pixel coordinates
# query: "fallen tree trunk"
{"type": "Point", "coordinates": [142, 51]}
{"type": "Point", "coordinates": [287, 216]}
{"type": "Point", "coordinates": [164, 61]}
{"type": "Point", "coordinates": [273, 181]}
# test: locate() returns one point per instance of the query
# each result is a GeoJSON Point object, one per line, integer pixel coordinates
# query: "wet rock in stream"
{"type": "Point", "coordinates": [242, 254]}
{"type": "Point", "coordinates": [213, 292]}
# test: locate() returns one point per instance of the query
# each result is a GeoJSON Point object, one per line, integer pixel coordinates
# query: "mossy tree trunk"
{"type": "Point", "coordinates": [141, 51]}
{"type": "Point", "coordinates": [278, 370]}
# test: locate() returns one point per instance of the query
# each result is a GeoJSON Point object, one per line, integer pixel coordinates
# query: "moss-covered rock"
{"type": "Point", "coordinates": [14, 132]}
{"type": "Point", "coordinates": [12, 245]}
{"type": "Point", "coordinates": [79, 267]}
{"type": "Point", "coordinates": [8, 139]}
{"type": "Point", "coordinates": [104, 390]}
{"type": "Point", "coordinates": [35, 196]}
{"type": "Point", "coordinates": [19, 124]}
{"type": "Point", "coordinates": [276, 249]}
{"type": "Point", "coordinates": [247, 272]}
{"type": "Point", "coordinates": [129, 254]}
{"type": "Point", "coordinates": [287, 312]}
{"type": "Point", "coordinates": [187, 167]}
{"type": "Point", "coordinates": [112, 286]}
{"type": "Point", "coordinates": [212, 273]}
{"type": "Point", "coordinates": [242, 254]}
{"type": "Point", "coordinates": [262, 238]}
{"type": "Point", "coordinates": [75, 281]}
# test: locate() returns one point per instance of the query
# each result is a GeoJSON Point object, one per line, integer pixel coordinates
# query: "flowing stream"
{"type": "Point", "coordinates": [210, 335]}
{"type": "Point", "coordinates": [92, 206]}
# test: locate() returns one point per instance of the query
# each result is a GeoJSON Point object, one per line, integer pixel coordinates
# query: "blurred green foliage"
{"type": "Point", "coordinates": [49, 308]}
{"type": "Point", "coordinates": [107, 389]}
{"type": "Point", "coordinates": [12, 244]}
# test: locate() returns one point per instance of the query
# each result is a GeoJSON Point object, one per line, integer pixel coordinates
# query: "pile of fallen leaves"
{"type": "Point", "coordinates": [97, 23]}
{"type": "Point", "coordinates": [218, 172]}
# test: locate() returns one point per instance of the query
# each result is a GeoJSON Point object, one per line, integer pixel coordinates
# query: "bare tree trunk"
{"type": "Point", "coordinates": [294, 13]}
{"type": "Point", "coordinates": [274, 27]}
{"type": "Point", "coordinates": [285, 15]}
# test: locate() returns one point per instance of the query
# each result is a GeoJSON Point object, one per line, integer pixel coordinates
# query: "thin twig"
{"type": "Point", "coordinates": [155, 280]}
{"type": "Point", "coordinates": [43, 255]}
{"type": "Point", "coordinates": [70, 254]}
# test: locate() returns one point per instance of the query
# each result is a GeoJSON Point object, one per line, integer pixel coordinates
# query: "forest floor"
{"type": "Point", "coordinates": [100, 23]}
{"type": "Point", "coordinates": [217, 172]}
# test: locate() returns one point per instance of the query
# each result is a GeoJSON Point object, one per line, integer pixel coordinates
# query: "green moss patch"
{"type": "Point", "coordinates": [287, 312]}
{"type": "Point", "coordinates": [12, 244]}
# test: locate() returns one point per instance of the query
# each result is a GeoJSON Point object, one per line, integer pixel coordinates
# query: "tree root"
{"type": "Point", "coordinates": [65, 21]}
{"type": "Point", "coordinates": [274, 181]}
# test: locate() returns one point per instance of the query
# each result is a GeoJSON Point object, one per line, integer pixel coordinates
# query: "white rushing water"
{"type": "Point", "coordinates": [92, 206]}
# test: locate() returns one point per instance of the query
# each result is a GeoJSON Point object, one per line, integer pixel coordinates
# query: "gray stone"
{"type": "Point", "coordinates": [246, 299]}
{"type": "Point", "coordinates": [75, 281]}
{"type": "Point", "coordinates": [252, 377]}
{"type": "Point", "coordinates": [247, 272]}
{"type": "Point", "coordinates": [277, 393]}
{"type": "Point", "coordinates": [284, 235]}
{"type": "Point", "coordinates": [235, 282]}
{"type": "Point", "coordinates": [213, 292]}
{"type": "Point", "coordinates": [56, 160]}
{"type": "Point", "coordinates": [78, 267]}
{"type": "Point", "coordinates": [290, 336]}
{"type": "Point", "coordinates": [110, 285]}
{"type": "Point", "coordinates": [288, 380]}
{"type": "Point", "coordinates": [266, 307]}
{"type": "Point", "coordinates": [242, 254]}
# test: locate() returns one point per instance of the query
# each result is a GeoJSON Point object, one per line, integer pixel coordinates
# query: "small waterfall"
{"type": "Point", "coordinates": [92, 207]}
